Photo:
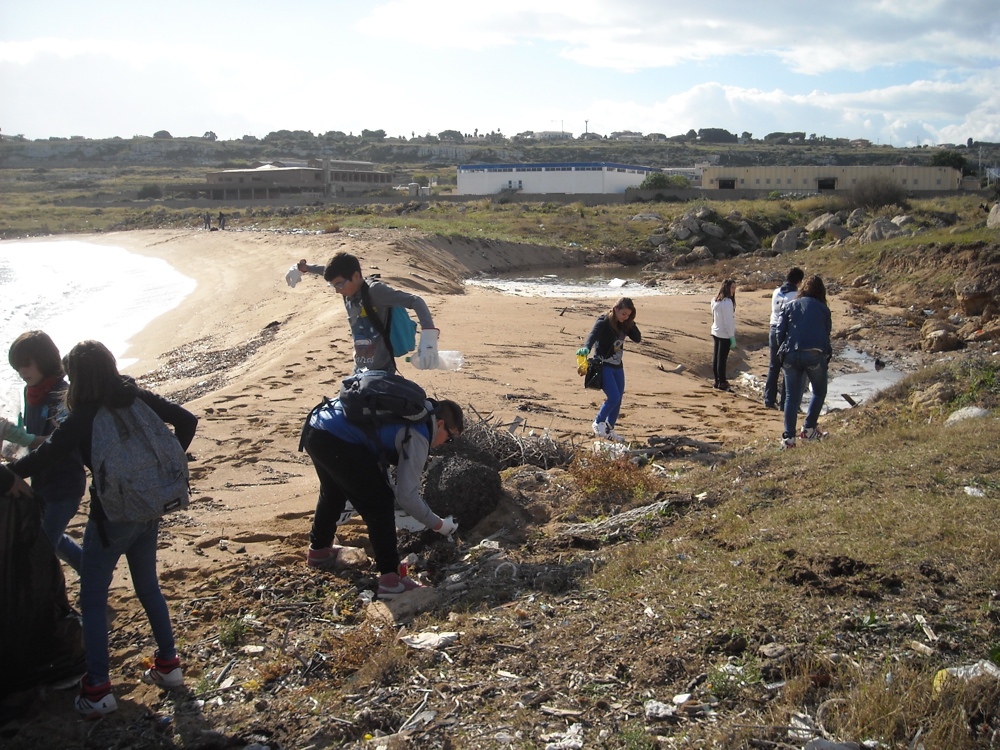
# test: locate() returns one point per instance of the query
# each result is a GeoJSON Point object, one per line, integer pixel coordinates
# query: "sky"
{"type": "Point", "coordinates": [899, 72]}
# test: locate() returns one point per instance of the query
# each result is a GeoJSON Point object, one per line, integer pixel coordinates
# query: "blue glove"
{"type": "Point", "coordinates": [582, 351]}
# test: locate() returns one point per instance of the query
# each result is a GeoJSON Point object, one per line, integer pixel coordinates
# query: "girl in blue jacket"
{"type": "Point", "coordinates": [607, 339]}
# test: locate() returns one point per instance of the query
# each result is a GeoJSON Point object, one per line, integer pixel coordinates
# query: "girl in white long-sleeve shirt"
{"type": "Point", "coordinates": [723, 331]}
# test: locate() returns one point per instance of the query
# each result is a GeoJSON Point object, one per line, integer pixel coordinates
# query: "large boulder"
{"type": "Point", "coordinates": [697, 256]}
{"type": "Point", "coordinates": [939, 336]}
{"type": "Point", "coordinates": [993, 220]}
{"type": "Point", "coordinates": [821, 223]}
{"type": "Point", "coordinates": [880, 229]}
{"type": "Point", "coordinates": [787, 241]}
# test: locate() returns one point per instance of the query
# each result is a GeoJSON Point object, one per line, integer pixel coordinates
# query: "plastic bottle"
{"type": "Point", "coordinates": [450, 360]}
{"type": "Point", "coordinates": [581, 364]}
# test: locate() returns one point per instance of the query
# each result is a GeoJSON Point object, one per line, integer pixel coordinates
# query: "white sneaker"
{"type": "Point", "coordinates": [812, 433]}
{"type": "Point", "coordinates": [600, 429]}
{"type": "Point", "coordinates": [612, 435]}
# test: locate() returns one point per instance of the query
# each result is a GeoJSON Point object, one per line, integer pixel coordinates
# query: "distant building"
{"type": "Point", "coordinates": [627, 135]}
{"type": "Point", "coordinates": [552, 135]}
{"type": "Point", "coordinates": [813, 178]}
{"type": "Point", "coordinates": [584, 177]}
{"type": "Point", "coordinates": [273, 179]}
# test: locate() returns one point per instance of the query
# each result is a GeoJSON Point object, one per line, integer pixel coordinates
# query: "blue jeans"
{"type": "Point", "coordinates": [55, 518]}
{"type": "Point", "coordinates": [137, 541]}
{"type": "Point", "coordinates": [773, 369]}
{"type": "Point", "coordinates": [614, 388]}
{"type": "Point", "coordinates": [799, 367]}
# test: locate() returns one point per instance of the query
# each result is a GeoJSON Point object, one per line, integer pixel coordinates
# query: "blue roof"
{"type": "Point", "coordinates": [609, 165]}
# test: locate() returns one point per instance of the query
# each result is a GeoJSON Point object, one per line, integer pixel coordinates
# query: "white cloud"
{"type": "Point", "coordinates": [851, 35]}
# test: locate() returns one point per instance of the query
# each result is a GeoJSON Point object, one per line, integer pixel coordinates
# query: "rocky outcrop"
{"type": "Point", "coordinates": [974, 295]}
{"type": "Point", "coordinates": [939, 336]}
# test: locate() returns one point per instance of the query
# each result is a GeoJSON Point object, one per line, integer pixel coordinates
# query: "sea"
{"type": "Point", "coordinates": [75, 290]}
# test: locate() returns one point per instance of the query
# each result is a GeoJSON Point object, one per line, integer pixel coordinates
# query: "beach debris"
{"type": "Point", "coordinates": [982, 668]}
{"type": "Point", "coordinates": [429, 640]}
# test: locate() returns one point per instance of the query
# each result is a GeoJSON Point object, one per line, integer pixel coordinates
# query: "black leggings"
{"type": "Point", "coordinates": [348, 471]}
{"type": "Point", "coordinates": [720, 355]}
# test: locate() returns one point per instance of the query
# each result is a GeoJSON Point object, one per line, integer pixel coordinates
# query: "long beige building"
{"type": "Point", "coordinates": [826, 178]}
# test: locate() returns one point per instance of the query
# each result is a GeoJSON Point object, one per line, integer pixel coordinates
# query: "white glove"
{"type": "Point", "coordinates": [4, 424]}
{"type": "Point", "coordinates": [448, 526]}
{"type": "Point", "coordinates": [293, 277]}
{"type": "Point", "coordinates": [427, 350]}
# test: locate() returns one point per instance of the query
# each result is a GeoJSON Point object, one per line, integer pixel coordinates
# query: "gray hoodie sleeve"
{"type": "Point", "coordinates": [412, 457]}
{"type": "Point", "coordinates": [383, 295]}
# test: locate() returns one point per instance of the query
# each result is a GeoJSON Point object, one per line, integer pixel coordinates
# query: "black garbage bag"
{"type": "Point", "coordinates": [41, 637]}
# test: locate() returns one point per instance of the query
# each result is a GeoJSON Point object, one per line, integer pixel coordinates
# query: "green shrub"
{"type": "Point", "coordinates": [150, 192]}
{"type": "Point", "coordinates": [876, 192]}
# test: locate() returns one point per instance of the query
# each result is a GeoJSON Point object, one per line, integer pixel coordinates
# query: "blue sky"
{"type": "Point", "coordinates": [904, 72]}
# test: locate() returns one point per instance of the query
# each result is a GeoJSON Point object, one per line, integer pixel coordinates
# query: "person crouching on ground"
{"type": "Point", "coordinates": [348, 462]}
{"type": "Point", "coordinates": [94, 382]}
{"type": "Point", "coordinates": [804, 343]}
{"type": "Point", "coordinates": [607, 339]}
{"type": "Point", "coordinates": [723, 331]}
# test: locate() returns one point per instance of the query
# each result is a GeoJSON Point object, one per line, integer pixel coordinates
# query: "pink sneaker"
{"type": "Point", "coordinates": [325, 558]}
{"type": "Point", "coordinates": [391, 585]}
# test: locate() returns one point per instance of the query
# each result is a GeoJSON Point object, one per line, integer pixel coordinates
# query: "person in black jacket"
{"type": "Point", "coordinates": [96, 383]}
{"type": "Point", "coordinates": [607, 339]}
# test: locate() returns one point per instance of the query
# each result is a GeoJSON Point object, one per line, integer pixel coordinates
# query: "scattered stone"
{"type": "Point", "coordinates": [968, 412]}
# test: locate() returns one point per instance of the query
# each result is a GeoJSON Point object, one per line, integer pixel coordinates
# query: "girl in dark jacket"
{"type": "Point", "coordinates": [804, 344]}
{"type": "Point", "coordinates": [96, 383]}
{"type": "Point", "coordinates": [607, 339]}
{"type": "Point", "coordinates": [36, 358]}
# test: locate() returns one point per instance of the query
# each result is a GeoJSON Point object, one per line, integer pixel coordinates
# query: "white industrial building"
{"type": "Point", "coordinates": [584, 177]}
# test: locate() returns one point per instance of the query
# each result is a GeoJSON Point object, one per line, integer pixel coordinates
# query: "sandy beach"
{"type": "Point", "coordinates": [250, 356]}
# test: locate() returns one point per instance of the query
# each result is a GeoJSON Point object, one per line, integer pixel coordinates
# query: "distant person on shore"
{"type": "Point", "coordinates": [723, 332]}
{"type": "Point", "coordinates": [607, 340]}
{"type": "Point", "coordinates": [36, 359]}
{"type": "Point", "coordinates": [94, 383]}
{"type": "Point", "coordinates": [350, 464]}
{"type": "Point", "coordinates": [222, 220]}
{"type": "Point", "coordinates": [781, 296]}
{"type": "Point", "coordinates": [371, 350]}
{"type": "Point", "coordinates": [208, 220]}
{"type": "Point", "coordinates": [804, 346]}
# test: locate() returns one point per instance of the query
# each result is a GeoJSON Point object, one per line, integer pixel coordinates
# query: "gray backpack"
{"type": "Point", "coordinates": [139, 469]}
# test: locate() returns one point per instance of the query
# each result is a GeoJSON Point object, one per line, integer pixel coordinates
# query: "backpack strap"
{"type": "Point", "coordinates": [384, 330]}
{"type": "Point", "coordinates": [309, 416]}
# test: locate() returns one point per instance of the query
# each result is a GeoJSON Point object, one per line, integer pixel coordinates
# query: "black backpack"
{"type": "Point", "coordinates": [374, 398]}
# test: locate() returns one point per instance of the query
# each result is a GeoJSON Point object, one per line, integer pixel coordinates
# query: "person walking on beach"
{"type": "Point", "coordinates": [781, 296]}
{"type": "Point", "coordinates": [349, 462]}
{"type": "Point", "coordinates": [805, 348]}
{"type": "Point", "coordinates": [371, 350]}
{"type": "Point", "coordinates": [36, 358]}
{"type": "Point", "coordinates": [723, 332]}
{"type": "Point", "coordinates": [94, 383]}
{"type": "Point", "coordinates": [607, 340]}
